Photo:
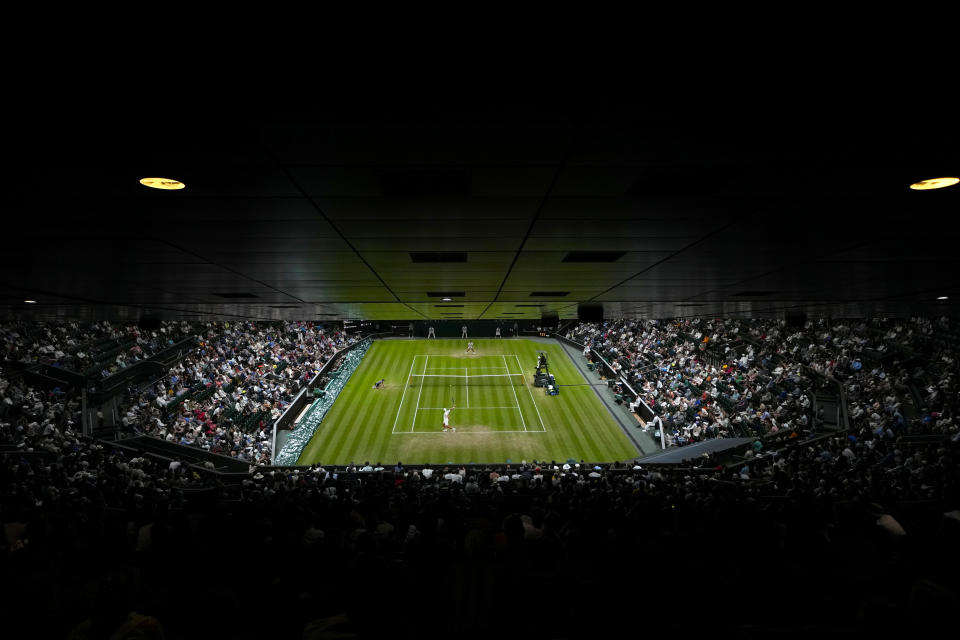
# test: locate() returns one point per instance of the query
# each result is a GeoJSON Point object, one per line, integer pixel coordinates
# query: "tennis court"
{"type": "Point", "coordinates": [497, 412]}
{"type": "Point", "coordinates": [486, 393]}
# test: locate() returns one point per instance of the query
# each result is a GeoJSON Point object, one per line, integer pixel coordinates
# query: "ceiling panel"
{"type": "Point", "coordinates": [422, 139]}
{"type": "Point", "coordinates": [429, 241]}
{"type": "Point", "coordinates": [239, 246]}
{"type": "Point", "coordinates": [332, 182]}
{"type": "Point", "coordinates": [547, 259]}
{"type": "Point", "coordinates": [476, 260]}
{"type": "Point", "coordinates": [341, 294]}
{"type": "Point", "coordinates": [427, 211]}
{"type": "Point", "coordinates": [523, 295]}
{"type": "Point", "coordinates": [679, 206]}
{"type": "Point", "coordinates": [470, 295]}
{"type": "Point", "coordinates": [181, 206]}
{"type": "Point", "coordinates": [270, 261]}
{"type": "Point", "coordinates": [523, 310]}
{"type": "Point", "coordinates": [439, 228]}
{"type": "Point", "coordinates": [899, 250]}
{"type": "Point", "coordinates": [607, 243]}
{"type": "Point", "coordinates": [277, 275]}
{"type": "Point", "coordinates": [314, 209]}
{"type": "Point", "coordinates": [634, 227]}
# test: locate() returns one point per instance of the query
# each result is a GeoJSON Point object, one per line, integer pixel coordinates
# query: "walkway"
{"type": "Point", "coordinates": [642, 440]}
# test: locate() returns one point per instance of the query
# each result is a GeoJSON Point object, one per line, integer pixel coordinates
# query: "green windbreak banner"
{"type": "Point", "coordinates": [310, 422]}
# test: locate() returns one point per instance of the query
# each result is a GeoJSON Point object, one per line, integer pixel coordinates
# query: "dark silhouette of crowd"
{"type": "Point", "coordinates": [844, 531]}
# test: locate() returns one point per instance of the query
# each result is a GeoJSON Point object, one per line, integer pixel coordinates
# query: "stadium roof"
{"type": "Point", "coordinates": [380, 205]}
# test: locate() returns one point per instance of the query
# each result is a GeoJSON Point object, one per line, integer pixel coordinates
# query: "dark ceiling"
{"type": "Point", "coordinates": [375, 206]}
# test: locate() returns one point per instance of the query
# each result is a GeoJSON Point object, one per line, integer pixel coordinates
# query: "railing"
{"type": "Point", "coordinates": [226, 469]}
{"type": "Point", "coordinates": [172, 450]}
{"type": "Point", "coordinates": [642, 407]}
{"type": "Point", "coordinates": [162, 361]}
{"type": "Point", "coordinates": [844, 410]}
{"type": "Point", "coordinates": [305, 429]}
{"type": "Point", "coordinates": [546, 468]}
{"type": "Point", "coordinates": [48, 375]}
{"type": "Point", "coordinates": [174, 352]}
{"type": "Point", "coordinates": [711, 359]}
{"type": "Point", "coordinates": [305, 395]}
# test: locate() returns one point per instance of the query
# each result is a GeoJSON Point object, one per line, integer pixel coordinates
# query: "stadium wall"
{"type": "Point", "coordinates": [451, 328]}
{"type": "Point", "coordinates": [305, 429]}
{"type": "Point", "coordinates": [305, 396]}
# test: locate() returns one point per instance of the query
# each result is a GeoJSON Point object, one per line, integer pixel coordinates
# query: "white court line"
{"type": "Point", "coordinates": [407, 384]}
{"type": "Point", "coordinates": [430, 433]}
{"type": "Point", "coordinates": [543, 426]}
{"type": "Point", "coordinates": [414, 423]}
{"type": "Point", "coordinates": [441, 409]}
{"type": "Point", "coordinates": [466, 384]}
{"type": "Point", "coordinates": [459, 368]}
{"type": "Point", "coordinates": [515, 392]}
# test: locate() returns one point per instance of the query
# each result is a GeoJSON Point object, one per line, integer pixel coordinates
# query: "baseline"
{"type": "Point", "coordinates": [462, 433]}
{"type": "Point", "coordinates": [442, 408]}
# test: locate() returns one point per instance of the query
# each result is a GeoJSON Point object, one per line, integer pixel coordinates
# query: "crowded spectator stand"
{"type": "Point", "coordinates": [857, 521]}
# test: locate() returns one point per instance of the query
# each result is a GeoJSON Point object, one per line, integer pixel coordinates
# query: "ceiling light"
{"type": "Point", "coordinates": [943, 298]}
{"type": "Point", "coordinates": [447, 299]}
{"type": "Point", "coordinates": [162, 183]}
{"type": "Point", "coordinates": [30, 301]}
{"type": "Point", "coordinates": [934, 183]}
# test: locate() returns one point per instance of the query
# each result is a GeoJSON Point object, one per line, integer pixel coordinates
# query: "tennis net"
{"type": "Point", "coordinates": [482, 380]}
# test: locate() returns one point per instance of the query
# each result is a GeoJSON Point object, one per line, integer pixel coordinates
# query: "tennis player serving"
{"type": "Point", "coordinates": [446, 419]}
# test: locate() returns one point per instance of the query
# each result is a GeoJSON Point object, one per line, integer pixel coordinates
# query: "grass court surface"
{"type": "Point", "coordinates": [497, 412]}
